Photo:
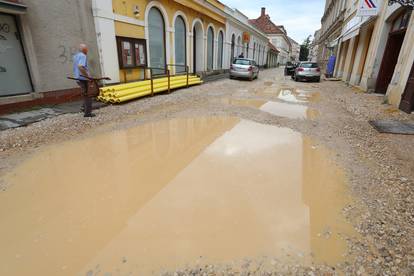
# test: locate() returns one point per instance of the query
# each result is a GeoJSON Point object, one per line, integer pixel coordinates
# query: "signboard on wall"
{"type": "Point", "coordinates": [246, 37]}
{"type": "Point", "coordinates": [368, 7]}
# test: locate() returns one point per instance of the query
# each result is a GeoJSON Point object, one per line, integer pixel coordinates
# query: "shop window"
{"type": "Point", "coordinates": [132, 52]}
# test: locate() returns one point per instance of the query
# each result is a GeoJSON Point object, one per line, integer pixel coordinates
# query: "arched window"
{"type": "Point", "coordinates": [254, 51]}
{"type": "Point", "coordinates": [210, 49]}
{"type": "Point", "coordinates": [180, 44]}
{"type": "Point", "coordinates": [232, 53]}
{"type": "Point", "coordinates": [220, 50]}
{"type": "Point", "coordinates": [156, 41]}
{"type": "Point", "coordinates": [239, 46]}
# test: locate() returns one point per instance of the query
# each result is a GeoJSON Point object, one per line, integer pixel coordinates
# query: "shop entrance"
{"type": "Point", "coordinates": [392, 51]}
{"type": "Point", "coordinates": [14, 75]}
{"type": "Point", "coordinates": [407, 100]}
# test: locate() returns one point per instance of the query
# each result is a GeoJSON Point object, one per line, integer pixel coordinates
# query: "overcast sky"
{"type": "Point", "coordinates": [300, 17]}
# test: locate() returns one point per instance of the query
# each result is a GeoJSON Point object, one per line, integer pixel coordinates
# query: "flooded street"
{"type": "Point", "coordinates": [165, 194]}
{"type": "Point", "coordinates": [197, 178]}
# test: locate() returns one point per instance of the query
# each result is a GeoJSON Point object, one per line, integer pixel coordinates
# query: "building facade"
{"type": "Point", "coordinates": [37, 41]}
{"type": "Point", "coordinates": [295, 50]}
{"type": "Point", "coordinates": [244, 38]}
{"type": "Point", "coordinates": [332, 23]}
{"type": "Point", "coordinates": [135, 34]}
{"type": "Point", "coordinates": [276, 34]}
{"type": "Point", "coordinates": [314, 47]}
{"type": "Point", "coordinates": [375, 53]}
{"type": "Point", "coordinates": [128, 40]}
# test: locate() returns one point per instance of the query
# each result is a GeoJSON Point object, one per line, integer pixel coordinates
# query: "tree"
{"type": "Point", "coordinates": [304, 49]}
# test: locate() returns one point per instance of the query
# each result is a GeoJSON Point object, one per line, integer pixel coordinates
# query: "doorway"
{"type": "Point", "coordinates": [392, 51]}
{"type": "Point", "coordinates": [407, 99]}
{"type": "Point", "coordinates": [14, 75]}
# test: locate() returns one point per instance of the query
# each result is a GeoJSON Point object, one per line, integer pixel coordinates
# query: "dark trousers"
{"type": "Point", "coordinates": [87, 101]}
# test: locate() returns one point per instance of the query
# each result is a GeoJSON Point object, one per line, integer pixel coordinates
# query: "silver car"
{"type": "Point", "coordinates": [307, 71]}
{"type": "Point", "coordinates": [244, 68]}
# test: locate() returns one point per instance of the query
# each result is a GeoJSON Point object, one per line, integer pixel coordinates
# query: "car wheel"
{"type": "Point", "coordinates": [257, 75]}
{"type": "Point", "coordinates": [318, 80]}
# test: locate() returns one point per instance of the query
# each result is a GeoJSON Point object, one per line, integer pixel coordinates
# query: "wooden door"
{"type": "Point", "coordinates": [407, 100]}
{"type": "Point", "coordinates": [392, 51]}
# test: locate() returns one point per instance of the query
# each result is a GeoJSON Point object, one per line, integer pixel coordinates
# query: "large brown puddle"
{"type": "Point", "coordinates": [162, 195]}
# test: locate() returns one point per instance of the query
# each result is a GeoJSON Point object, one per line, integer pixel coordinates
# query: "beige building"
{"type": "Point", "coordinates": [332, 23]}
{"type": "Point", "coordinates": [295, 50]}
{"type": "Point", "coordinates": [375, 53]}
{"type": "Point", "coordinates": [314, 48]}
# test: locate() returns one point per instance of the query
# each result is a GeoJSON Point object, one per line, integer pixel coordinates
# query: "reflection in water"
{"type": "Point", "coordinates": [279, 109]}
{"type": "Point", "coordinates": [298, 96]}
{"type": "Point", "coordinates": [163, 194]}
{"type": "Point", "coordinates": [290, 110]}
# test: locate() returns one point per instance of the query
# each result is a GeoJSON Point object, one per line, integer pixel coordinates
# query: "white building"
{"type": "Point", "coordinates": [242, 37]}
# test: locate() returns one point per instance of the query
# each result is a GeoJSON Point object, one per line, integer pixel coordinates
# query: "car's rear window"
{"type": "Point", "coordinates": [309, 65]}
{"type": "Point", "coordinates": [242, 62]}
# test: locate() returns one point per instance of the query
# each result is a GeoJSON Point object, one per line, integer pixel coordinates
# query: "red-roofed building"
{"type": "Point", "coordinates": [276, 33]}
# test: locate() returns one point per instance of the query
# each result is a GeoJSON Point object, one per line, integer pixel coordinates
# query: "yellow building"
{"type": "Point", "coordinates": [164, 34]}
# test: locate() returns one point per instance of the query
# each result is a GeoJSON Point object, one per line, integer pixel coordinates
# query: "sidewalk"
{"type": "Point", "coordinates": [24, 118]}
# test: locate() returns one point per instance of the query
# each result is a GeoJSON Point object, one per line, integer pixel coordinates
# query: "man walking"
{"type": "Point", "coordinates": [80, 71]}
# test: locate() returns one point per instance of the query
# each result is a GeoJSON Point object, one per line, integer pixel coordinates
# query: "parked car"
{"type": "Point", "coordinates": [244, 68]}
{"type": "Point", "coordinates": [290, 68]}
{"type": "Point", "coordinates": [307, 71]}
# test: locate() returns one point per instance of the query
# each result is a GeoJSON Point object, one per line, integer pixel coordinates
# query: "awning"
{"type": "Point", "coordinates": [12, 7]}
{"type": "Point", "coordinates": [352, 28]}
{"type": "Point", "coordinates": [333, 43]}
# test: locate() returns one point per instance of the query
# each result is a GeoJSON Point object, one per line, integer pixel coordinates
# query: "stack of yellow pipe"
{"type": "Point", "coordinates": [126, 92]}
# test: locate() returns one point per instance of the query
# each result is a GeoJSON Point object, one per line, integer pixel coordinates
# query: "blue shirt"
{"type": "Point", "coordinates": [79, 59]}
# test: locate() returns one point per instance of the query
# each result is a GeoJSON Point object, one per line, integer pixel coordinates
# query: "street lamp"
{"type": "Point", "coordinates": [405, 3]}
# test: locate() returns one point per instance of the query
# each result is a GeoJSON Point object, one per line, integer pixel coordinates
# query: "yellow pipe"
{"type": "Point", "coordinates": [158, 90]}
{"type": "Point", "coordinates": [141, 83]}
{"type": "Point", "coordinates": [141, 89]}
{"type": "Point", "coordinates": [131, 91]}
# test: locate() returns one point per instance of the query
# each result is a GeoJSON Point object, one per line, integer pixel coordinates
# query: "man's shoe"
{"type": "Point", "coordinates": [89, 115]}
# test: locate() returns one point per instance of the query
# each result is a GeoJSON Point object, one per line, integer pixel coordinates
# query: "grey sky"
{"type": "Point", "coordinates": [300, 17]}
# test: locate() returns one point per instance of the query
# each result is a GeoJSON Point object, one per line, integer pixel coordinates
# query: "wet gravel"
{"type": "Point", "coordinates": [380, 167]}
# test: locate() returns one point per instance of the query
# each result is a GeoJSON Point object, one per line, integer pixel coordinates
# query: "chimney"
{"type": "Point", "coordinates": [263, 11]}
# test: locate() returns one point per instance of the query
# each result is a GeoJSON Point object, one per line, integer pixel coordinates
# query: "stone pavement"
{"type": "Point", "coordinates": [24, 118]}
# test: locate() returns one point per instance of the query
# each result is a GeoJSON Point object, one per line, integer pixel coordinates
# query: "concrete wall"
{"type": "Point", "coordinates": [52, 31]}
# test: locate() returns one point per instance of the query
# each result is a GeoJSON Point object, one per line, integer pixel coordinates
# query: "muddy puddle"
{"type": "Point", "coordinates": [167, 194]}
{"type": "Point", "coordinates": [291, 111]}
{"type": "Point", "coordinates": [290, 95]}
